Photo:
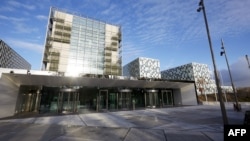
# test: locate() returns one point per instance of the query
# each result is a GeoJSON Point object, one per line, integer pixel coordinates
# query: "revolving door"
{"type": "Point", "coordinates": [151, 98]}
{"type": "Point", "coordinates": [68, 100]}
{"type": "Point", "coordinates": [124, 99]}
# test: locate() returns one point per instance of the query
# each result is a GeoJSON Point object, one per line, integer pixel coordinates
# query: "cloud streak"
{"type": "Point", "coordinates": [21, 5]}
{"type": "Point", "coordinates": [25, 45]}
{"type": "Point", "coordinates": [41, 17]}
{"type": "Point", "coordinates": [240, 73]}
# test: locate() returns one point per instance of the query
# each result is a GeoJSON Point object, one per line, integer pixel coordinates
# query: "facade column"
{"type": "Point", "coordinates": [225, 95]}
{"type": "Point", "coordinates": [78, 94]}
{"type": "Point", "coordinates": [97, 101]}
{"type": "Point", "coordinates": [37, 99]}
{"type": "Point", "coordinates": [117, 101]}
{"type": "Point", "coordinates": [215, 95]}
{"type": "Point", "coordinates": [27, 108]}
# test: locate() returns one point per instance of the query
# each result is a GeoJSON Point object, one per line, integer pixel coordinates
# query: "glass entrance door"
{"type": "Point", "coordinates": [112, 101]}
{"type": "Point", "coordinates": [103, 100]}
{"type": "Point", "coordinates": [124, 99]}
{"type": "Point", "coordinates": [151, 98]}
{"type": "Point", "coordinates": [67, 101]}
{"type": "Point", "coordinates": [167, 98]}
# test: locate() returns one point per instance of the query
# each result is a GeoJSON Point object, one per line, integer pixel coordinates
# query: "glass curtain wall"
{"type": "Point", "coordinates": [86, 46]}
{"type": "Point", "coordinates": [59, 100]}
{"type": "Point", "coordinates": [28, 99]}
{"type": "Point", "coordinates": [89, 99]}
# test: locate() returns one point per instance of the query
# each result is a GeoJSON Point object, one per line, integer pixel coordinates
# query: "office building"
{"type": "Point", "coordinates": [82, 73]}
{"type": "Point", "coordinates": [197, 72]}
{"type": "Point", "coordinates": [9, 58]}
{"type": "Point", "coordinates": [143, 68]}
{"type": "Point", "coordinates": [78, 45]}
{"type": "Point", "coordinates": [46, 92]}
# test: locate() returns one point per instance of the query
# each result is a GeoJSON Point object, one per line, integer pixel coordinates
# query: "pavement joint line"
{"type": "Point", "coordinates": [82, 120]}
{"type": "Point", "coordinates": [126, 134]}
{"type": "Point", "coordinates": [165, 134]}
{"type": "Point", "coordinates": [207, 136]}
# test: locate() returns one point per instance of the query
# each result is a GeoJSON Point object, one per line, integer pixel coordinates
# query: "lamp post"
{"type": "Point", "coordinates": [234, 91]}
{"type": "Point", "coordinates": [248, 61]}
{"type": "Point", "coordinates": [223, 111]}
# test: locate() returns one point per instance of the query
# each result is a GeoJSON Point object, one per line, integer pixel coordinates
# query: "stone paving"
{"type": "Point", "coordinates": [190, 123]}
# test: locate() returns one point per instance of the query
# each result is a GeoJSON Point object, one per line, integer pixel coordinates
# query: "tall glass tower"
{"type": "Point", "coordinates": [78, 45]}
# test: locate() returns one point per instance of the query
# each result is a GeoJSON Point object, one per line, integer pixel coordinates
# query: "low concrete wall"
{"type": "Point", "coordinates": [177, 97]}
{"type": "Point", "coordinates": [8, 97]}
{"type": "Point", "coordinates": [188, 95]}
{"type": "Point", "coordinates": [226, 103]}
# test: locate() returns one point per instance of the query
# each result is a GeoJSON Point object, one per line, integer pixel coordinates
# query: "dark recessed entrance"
{"type": "Point", "coordinates": [68, 100]}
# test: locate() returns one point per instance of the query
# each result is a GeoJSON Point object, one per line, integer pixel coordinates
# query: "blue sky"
{"type": "Point", "coordinates": [169, 30]}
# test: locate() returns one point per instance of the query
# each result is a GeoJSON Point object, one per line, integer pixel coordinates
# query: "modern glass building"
{"type": "Point", "coordinates": [197, 72]}
{"type": "Point", "coordinates": [143, 68]}
{"type": "Point", "coordinates": [78, 45]}
{"type": "Point", "coordinates": [48, 92]}
{"type": "Point", "coordinates": [81, 73]}
{"type": "Point", "coordinates": [10, 59]}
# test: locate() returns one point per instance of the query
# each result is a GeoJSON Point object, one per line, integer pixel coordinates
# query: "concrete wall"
{"type": "Point", "coordinates": [177, 97]}
{"type": "Point", "coordinates": [188, 95]}
{"type": "Point", "coordinates": [8, 97]}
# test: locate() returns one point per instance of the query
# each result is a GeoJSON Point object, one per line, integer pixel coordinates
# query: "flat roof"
{"type": "Point", "coordinates": [57, 81]}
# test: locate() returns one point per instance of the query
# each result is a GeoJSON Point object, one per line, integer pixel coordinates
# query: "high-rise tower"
{"type": "Point", "coordinates": [78, 45]}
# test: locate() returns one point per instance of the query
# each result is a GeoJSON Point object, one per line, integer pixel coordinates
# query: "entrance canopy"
{"type": "Point", "coordinates": [57, 81]}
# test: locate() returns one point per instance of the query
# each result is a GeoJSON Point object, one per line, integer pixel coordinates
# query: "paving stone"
{"type": "Point", "coordinates": [139, 134]}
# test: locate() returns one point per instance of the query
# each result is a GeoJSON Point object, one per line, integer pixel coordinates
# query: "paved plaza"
{"type": "Point", "coordinates": [187, 123]}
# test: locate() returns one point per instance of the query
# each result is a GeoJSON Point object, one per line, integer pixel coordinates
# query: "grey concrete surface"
{"type": "Point", "coordinates": [190, 123]}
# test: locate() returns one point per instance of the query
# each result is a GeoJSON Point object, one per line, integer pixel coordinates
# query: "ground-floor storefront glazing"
{"type": "Point", "coordinates": [90, 99]}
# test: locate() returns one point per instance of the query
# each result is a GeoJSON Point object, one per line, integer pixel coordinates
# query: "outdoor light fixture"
{"type": "Point", "coordinates": [237, 106]}
{"type": "Point", "coordinates": [199, 9]}
{"type": "Point", "coordinates": [223, 110]}
{"type": "Point", "coordinates": [200, 6]}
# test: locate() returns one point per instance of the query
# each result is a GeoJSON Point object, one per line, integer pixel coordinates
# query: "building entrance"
{"type": "Point", "coordinates": [151, 98]}
{"type": "Point", "coordinates": [68, 100]}
{"type": "Point", "coordinates": [103, 100]}
{"type": "Point", "coordinates": [124, 99]}
{"type": "Point", "coordinates": [30, 101]}
{"type": "Point", "coordinates": [166, 98]}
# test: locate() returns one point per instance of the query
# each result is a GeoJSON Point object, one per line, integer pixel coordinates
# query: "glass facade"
{"type": "Point", "coordinates": [77, 45]}
{"type": "Point", "coordinates": [10, 59]}
{"type": "Point", "coordinates": [87, 46]}
{"type": "Point", "coordinates": [89, 99]}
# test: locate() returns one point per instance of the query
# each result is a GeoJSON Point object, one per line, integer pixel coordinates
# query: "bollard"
{"type": "Point", "coordinates": [133, 101]}
{"type": "Point", "coordinates": [237, 107]}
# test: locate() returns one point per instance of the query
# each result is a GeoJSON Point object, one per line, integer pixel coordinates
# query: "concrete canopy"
{"type": "Point", "coordinates": [57, 81]}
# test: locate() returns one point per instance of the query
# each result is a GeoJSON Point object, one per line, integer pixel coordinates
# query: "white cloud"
{"type": "Point", "coordinates": [23, 28]}
{"type": "Point", "coordinates": [12, 19]}
{"type": "Point", "coordinates": [240, 73]}
{"type": "Point", "coordinates": [6, 8]}
{"type": "Point", "coordinates": [109, 10]}
{"type": "Point", "coordinates": [25, 45]}
{"type": "Point", "coordinates": [19, 25]}
{"type": "Point", "coordinates": [41, 17]}
{"type": "Point", "coordinates": [21, 5]}
{"type": "Point", "coordinates": [173, 22]}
